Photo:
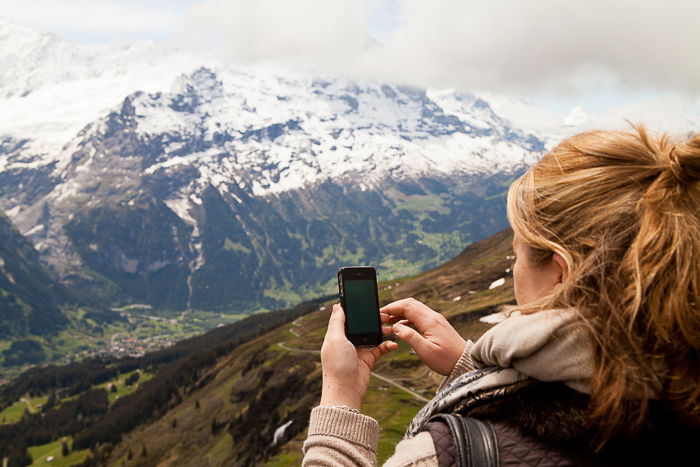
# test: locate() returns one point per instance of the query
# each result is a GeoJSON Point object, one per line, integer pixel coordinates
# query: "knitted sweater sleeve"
{"type": "Point", "coordinates": [339, 437]}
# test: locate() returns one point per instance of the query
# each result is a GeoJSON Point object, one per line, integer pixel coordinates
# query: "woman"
{"type": "Point", "coordinates": [599, 362]}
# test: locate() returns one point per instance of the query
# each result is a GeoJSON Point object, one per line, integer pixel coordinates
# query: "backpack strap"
{"type": "Point", "coordinates": [475, 443]}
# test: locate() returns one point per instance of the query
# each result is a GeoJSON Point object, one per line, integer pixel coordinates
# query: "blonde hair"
{"type": "Point", "coordinates": [623, 210]}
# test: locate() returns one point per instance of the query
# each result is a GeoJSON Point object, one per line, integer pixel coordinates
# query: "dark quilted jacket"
{"type": "Point", "coordinates": [542, 424]}
{"type": "Point", "coordinates": [515, 448]}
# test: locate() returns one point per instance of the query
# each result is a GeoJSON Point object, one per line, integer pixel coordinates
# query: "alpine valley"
{"type": "Point", "coordinates": [152, 176]}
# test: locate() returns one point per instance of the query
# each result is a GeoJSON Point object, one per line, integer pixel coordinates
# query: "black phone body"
{"type": "Point", "coordinates": [357, 287]}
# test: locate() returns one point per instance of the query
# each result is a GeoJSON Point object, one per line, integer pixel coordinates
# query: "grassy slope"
{"type": "Point", "coordinates": [15, 412]}
{"type": "Point", "coordinates": [229, 417]}
{"type": "Point", "coordinates": [53, 451]}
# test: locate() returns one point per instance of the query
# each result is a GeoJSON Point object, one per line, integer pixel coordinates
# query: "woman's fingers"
{"type": "Point", "coordinates": [372, 356]}
{"type": "Point", "coordinates": [413, 338]}
{"type": "Point", "coordinates": [434, 339]}
{"type": "Point", "coordinates": [388, 319]}
{"type": "Point", "coordinates": [336, 323]}
{"type": "Point", "coordinates": [335, 338]}
{"type": "Point", "coordinates": [409, 309]}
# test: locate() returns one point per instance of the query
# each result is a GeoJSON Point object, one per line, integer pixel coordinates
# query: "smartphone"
{"type": "Point", "coordinates": [357, 287]}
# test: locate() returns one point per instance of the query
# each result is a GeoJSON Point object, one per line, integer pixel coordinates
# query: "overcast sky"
{"type": "Point", "coordinates": [611, 57]}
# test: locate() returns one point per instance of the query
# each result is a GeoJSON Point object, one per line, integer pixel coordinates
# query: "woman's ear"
{"type": "Point", "coordinates": [561, 264]}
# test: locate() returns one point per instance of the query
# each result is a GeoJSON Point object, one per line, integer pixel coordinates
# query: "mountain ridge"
{"type": "Point", "coordinates": [30, 296]}
{"type": "Point", "coordinates": [260, 182]}
{"type": "Point", "coordinates": [215, 143]}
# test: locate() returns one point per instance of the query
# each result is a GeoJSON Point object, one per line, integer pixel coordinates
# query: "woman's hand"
{"type": "Point", "coordinates": [346, 369]}
{"type": "Point", "coordinates": [434, 340]}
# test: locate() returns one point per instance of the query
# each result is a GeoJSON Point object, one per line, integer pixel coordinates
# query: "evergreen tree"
{"type": "Point", "coordinates": [65, 450]}
{"type": "Point", "coordinates": [132, 379]}
{"type": "Point", "coordinates": [50, 402]}
{"type": "Point", "coordinates": [18, 456]}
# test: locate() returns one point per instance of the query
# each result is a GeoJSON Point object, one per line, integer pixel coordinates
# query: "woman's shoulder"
{"type": "Point", "coordinates": [552, 412]}
{"type": "Point", "coordinates": [546, 420]}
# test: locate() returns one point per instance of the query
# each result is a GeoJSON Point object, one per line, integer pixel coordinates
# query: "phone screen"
{"type": "Point", "coordinates": [361, 301]}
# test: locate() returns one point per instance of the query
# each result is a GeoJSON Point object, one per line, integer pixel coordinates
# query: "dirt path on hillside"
{"type": "Point", "coordinates": [425, 373]}
{"type": "Point", "coordinates": [294, 349]}
{"type": "Point", "coordinates": [28, 403]}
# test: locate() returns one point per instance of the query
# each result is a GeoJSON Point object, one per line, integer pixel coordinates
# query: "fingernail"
{"type": "Point", "coordinates": [397, 328]}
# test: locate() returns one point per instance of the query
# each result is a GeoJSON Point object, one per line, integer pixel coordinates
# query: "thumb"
{"type": "Point", "coordinates": [411, 337]}
{"type": "Point", "coordinates": [336, 323]}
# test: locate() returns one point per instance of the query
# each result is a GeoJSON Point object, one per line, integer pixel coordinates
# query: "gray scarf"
{"type": "Point", "coordinates": [551, 345]}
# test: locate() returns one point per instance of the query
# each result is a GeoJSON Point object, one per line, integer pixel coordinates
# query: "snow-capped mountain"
{"type": "Point", "coordinates": [237, 187]}
{"type": "Point", "coordinates": [50, 87]}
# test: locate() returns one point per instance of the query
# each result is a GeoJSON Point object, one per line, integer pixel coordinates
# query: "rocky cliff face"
{"type": "Point", "coordinates": [29, 295]}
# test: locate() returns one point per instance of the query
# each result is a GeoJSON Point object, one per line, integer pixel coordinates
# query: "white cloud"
{"type": "Point", "coordinates": [517, 46]}
{"type": "Point", "coordinates": [536, 44]}
{"type": "Point", "coordinates": [670, 112]}
{"type": "Point", "coordinates": [313, 32]}
{"type": "Point", "coordinates": [618, 57]}
{"type": "Point", "coordinates": [521, 46]}
{"type": "Point", "coordinates": [96, 21]}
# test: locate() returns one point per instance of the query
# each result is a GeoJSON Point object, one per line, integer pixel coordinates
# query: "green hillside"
{"type": "Point", "coordinates": [219, 398]}
{"type": "Point", "coordinates": [277, 377]}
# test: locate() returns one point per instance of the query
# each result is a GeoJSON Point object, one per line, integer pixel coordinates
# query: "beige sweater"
{"type": "Point", "coordinates": [550, 346]}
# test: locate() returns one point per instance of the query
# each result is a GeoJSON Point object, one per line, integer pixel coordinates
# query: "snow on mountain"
{"type": "Point", "coordinates": [282, 134]}
{"type": "Point", "coordinates": [50, 88]}
{"type": "Point", "coordinates": [148, 174]}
